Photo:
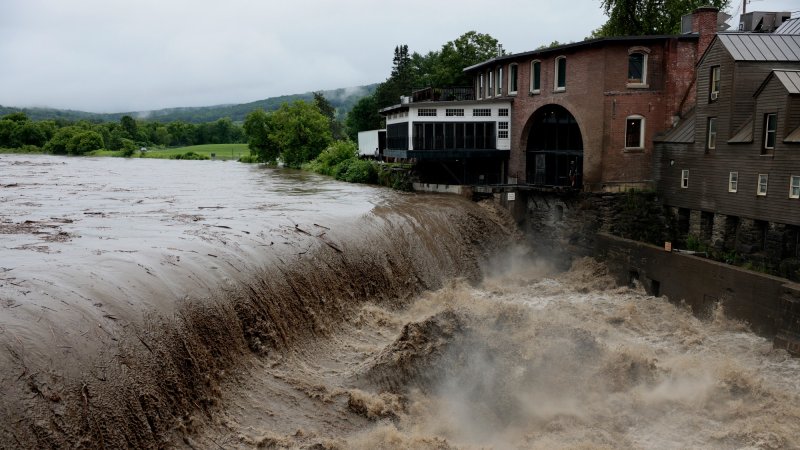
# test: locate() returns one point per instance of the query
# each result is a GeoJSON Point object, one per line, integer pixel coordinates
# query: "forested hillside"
{"type": "Point", "coordinates": [341, 99]}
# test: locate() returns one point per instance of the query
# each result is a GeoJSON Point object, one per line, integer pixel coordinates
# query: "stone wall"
{"type": "Point", "coordinates": [564, 225]}
{"type": "Point", "coordinates": [770, 305]}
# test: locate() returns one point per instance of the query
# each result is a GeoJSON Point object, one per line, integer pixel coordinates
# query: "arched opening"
{"type": "Point", "coordinates": [555, 149]}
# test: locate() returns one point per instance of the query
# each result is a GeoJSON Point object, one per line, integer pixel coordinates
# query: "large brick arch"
{"type": "Point", "coordinates": [551, 146]}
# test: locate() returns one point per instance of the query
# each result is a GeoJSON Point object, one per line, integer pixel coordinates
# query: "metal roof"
{"type": "Point", "coordinates": [790, 79]}
{"type": "Point", "coordinates": [793, 137]}
{"type": "Point", "coordinates": [744, 135]}
{"type": "Point", "coordinates": [682, 133]}
{"type": "Point", "coordinates": [790, 26]}
{"type": "Point", "coordinates": [761, 46]}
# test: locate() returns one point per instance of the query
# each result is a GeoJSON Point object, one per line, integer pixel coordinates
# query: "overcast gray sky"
{"type": "Point", "coordinates": [115, 56]}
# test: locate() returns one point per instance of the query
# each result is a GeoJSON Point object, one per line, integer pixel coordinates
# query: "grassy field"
{"type": "Point", "coordinates": [222, 151]}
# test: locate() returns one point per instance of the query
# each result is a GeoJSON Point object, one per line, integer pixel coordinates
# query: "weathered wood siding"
{"type": "Point", "coordinates": [709, 171]}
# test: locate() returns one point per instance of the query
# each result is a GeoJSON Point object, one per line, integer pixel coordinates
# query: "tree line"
{"type": "Point", "coordinates": [17, 131]}
{"type": "Point", "coordinates": [410, 71]}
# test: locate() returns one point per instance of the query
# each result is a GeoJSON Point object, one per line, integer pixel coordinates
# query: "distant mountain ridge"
{"type": "Point", "coordinates": [342, 99]}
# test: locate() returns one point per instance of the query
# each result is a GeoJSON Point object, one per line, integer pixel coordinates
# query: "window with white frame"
{"type": "Point", "coordinates": [426, 112]}
{"type": "Point", "coordinates": [794, 186]}
{"type": "Point", "coordinates": [536, 77]}
{"type": "Point", "coordinates": [512, 78]}
{"type": "Point", "coordinates": [502, 130]}
{"type": "Point", "coordinates": [770, 129]}
{"type": "Point", "coordinates": [762, 184]}
{"type": "Point", "coordinates": [711, 134]}
{"type": "Point", "coordinates": [637, 68]}
{"type": "Point", "coordinates": [499, 85]}
{"type": "Point", "coordinates": [560, 78]}
{"type": "Point", "coordinates": [481, 112]}
{"type": "Point", "coordinates": [713, 84]}
{"type": "Point", "coordinates": [454, 112]}
{"type": "Point", "coordinates": [490, 85]}
{"type": "Point", "coordinates": [733, 181]}
{"type": "Point", "coordinates": [684, 178]}
{"type": "Point", "coordinates": [502, 112]}
{"type": "Point", "coordinates": [634, 132]}
{"type": "Point", "coordinates": [480, 85]}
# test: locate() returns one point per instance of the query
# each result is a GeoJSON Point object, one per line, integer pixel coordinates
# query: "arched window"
{"type": "Point", "coordinates": [560, 78]}
{"type": "Point", "coordinates": [536, 76]}
{"type": "Point", "coordinates": [634, 132]}
{"type": "Point", "coordinates": [512, 79]}
{"type": "Point", "coordinates": [637, 67]}
{"type": "Point", "coordinates": [499, 85]}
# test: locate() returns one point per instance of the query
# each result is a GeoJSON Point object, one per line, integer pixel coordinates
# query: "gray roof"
{"type": "Point", "coordinates": [790, 79]}
{"type": "Point", "coordinates": [681, 133]}
{"type": "Point", "coordinates": [793, 137]}
{"type": "Point", "coordinates": [761, 46]}
{"type": "Point", "coordinates": [744, 135]}
{"type": "Point", "coordinates": [790, 26]}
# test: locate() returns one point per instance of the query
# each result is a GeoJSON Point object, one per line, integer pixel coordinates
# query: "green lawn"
{"type": "Point", "coordinates": [222, 151]}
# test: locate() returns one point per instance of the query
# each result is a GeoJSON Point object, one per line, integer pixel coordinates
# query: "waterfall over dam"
{"type": "Point", "coordinates": [200, 304]}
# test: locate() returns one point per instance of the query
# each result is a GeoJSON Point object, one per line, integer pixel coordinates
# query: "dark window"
{"type": "Point", "coordinates": [636, 66]}
{"type": "Point", "coordinates": [536, 76]}
{"type": "Point", "coordinates": [633, 132]}
{"type": "Point", "coordinates": [512, 78]}
{"type": "Point", "coordinates": [450, 135]}
{"type": "Point", "coordinates": [561, 73]}
{"type": "Point", "coordinates": [713, 84]}
{"type": "Point", "coordinates": [711, 139]}
{"type": "Point", "coordinates": [770, 128]}
{"type": "Point", "coordinates": [397, 136]}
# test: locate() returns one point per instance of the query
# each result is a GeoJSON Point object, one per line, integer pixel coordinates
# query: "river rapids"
{"type": "Point", "coordinates": [199, 304]}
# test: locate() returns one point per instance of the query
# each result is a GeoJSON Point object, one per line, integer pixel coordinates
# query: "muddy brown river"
{"type": "Point", "coordinates": [203, 304]}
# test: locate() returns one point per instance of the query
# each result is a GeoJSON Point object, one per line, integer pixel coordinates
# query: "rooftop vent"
{"type": "Point", "coordinates": [762, 21]}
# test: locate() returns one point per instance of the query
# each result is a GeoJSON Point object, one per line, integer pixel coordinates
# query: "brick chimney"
{"type": "Point", "coordinates": [704, 23]}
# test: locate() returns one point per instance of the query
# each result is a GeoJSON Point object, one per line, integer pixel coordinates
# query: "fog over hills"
{"type": "Point", "coordinates": [342, 99]}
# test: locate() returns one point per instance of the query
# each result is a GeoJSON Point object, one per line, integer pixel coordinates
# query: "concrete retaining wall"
{"type": "Point", "coordinates": [771, 305]}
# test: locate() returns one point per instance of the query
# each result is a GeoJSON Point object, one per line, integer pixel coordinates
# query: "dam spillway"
{"type": "Point", "coordinates": [203, 304]}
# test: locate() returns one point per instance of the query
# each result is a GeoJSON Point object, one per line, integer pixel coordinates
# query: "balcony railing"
{"type": "Point", "coordinates": [450, 94]}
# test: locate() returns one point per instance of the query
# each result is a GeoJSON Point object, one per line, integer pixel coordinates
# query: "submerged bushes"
{"type": "Point", "coordinates": [340, 160]}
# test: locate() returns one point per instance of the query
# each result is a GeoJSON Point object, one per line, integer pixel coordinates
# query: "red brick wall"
{"type": "Point", "coordinates": [599, 98]}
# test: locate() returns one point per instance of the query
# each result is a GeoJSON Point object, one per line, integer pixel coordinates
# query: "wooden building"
{"type": "Point", "coordinates": [731, 170]}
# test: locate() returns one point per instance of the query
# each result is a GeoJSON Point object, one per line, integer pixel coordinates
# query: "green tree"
{"type": "Point", "coordinates": [84, 141]}
{"type": "Point", "coordinates": [401, 81]}
{"type": "Point", "coordinates": [59, 144]}
{"type": "Point", "coordinates": [8, 129]}
{"type": "Point", "coordinates": [327, 110]}
{"type": "Point", "coordinates": [29, 133]}
{"type": "Point", "coordinates": [131, 128]}
{"type": "Point", "coordinates": [648, 17]}
{"type": "Point", "coordinates": [364, 116]}
{"type": "Point", "coordinates": [300, 131]}
{"type": "Point", "coordinates": [18, 117]}
{"type": "Point", "coordinates": [258, 128]}
{"type": "Point", "coordinates": [468, 49]}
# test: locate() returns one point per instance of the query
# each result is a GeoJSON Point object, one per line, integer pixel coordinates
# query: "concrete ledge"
{"type": "Point", "coordinates": [465, 191]}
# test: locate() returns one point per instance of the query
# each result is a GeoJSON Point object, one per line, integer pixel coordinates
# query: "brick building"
{"type": "Point", "coordinates": [585, 114]}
